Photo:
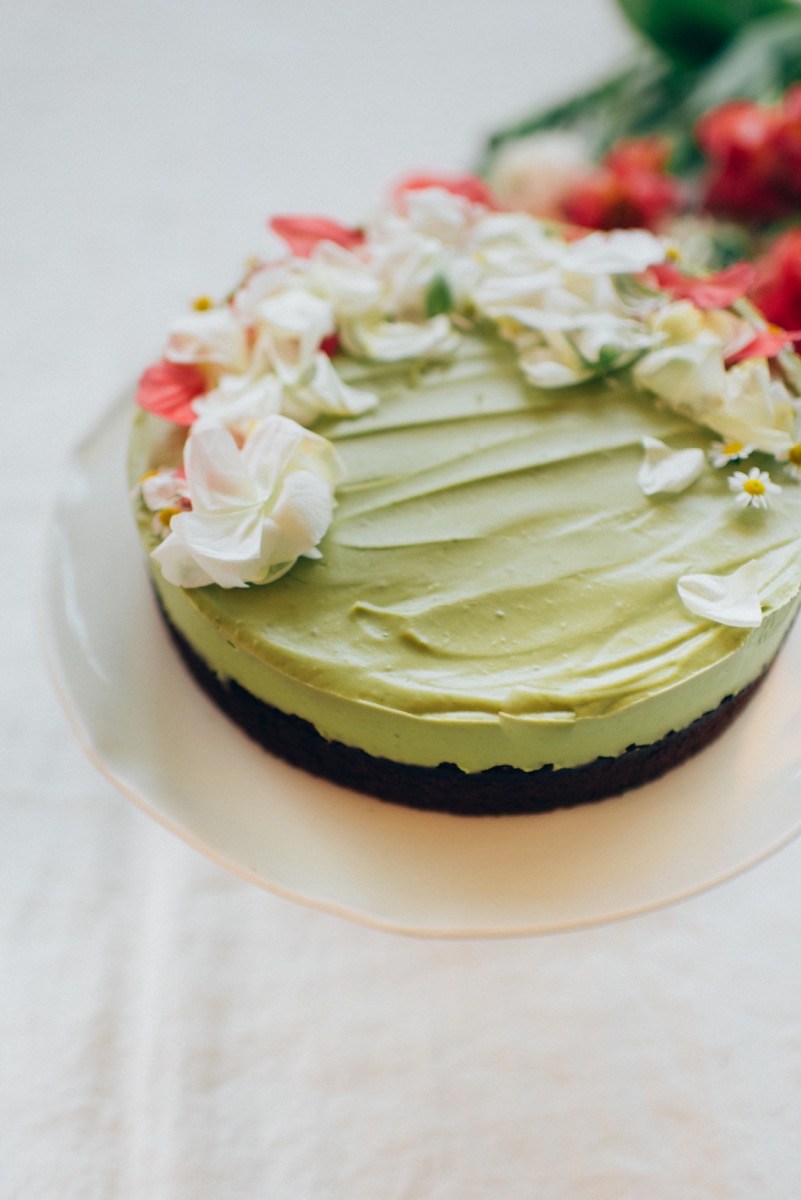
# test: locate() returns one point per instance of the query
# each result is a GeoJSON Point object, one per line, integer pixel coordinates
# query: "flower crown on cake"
{"type": "Point", "coordinates": [247, 377]}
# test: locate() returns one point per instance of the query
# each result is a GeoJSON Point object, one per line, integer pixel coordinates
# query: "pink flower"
{"type": "Point", "coordinates": [630, 189]}
{"type": "Point", "coordinates": [167, 390]}
{"type": "Point", "coordinates": [469, 187]}
{"type": "Point", "coordinates": [754, 154]}
{"type": "Point", "coordinates": [705, 291]}
{"type": "Point", "coordinates": [777, 287]}
{"type": "Point", "coordinates": [767, 344]}
{"type": "Point", "coordinates": [302, 233]}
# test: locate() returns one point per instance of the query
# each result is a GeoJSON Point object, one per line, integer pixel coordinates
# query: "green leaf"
{"type": "Point", "coordinates": [694, 31]}
{"type": "Point", "coordinates": [664, 96]}
{"type": "Point", "coordinates": [438, 297]}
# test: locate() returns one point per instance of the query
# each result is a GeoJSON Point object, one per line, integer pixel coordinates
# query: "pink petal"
{"type": "Point", "coordinates": [470, 187]}
{"type": "Point", "coordinates": [767, 344]}
{"type": "Point", "coordinates": [167, 390]}
{"type": "Point", "coordinates": [302, 234]}
{"type": "Point", "coordinates": [708, 291]}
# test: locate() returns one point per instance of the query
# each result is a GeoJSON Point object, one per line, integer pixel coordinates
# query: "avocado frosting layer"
{"type": "Point", "coordinates": [495, 588]}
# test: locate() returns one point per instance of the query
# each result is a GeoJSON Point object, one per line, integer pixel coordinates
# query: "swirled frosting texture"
{"type": "Point", "coordinates": [495, 587]}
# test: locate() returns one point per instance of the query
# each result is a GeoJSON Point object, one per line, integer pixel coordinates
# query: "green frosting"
{"type": "Point", "coordinates": [495, 588]}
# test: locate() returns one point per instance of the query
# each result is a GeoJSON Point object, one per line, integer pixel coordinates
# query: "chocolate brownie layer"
{"type": "Point", "coordinates": [498, 791]}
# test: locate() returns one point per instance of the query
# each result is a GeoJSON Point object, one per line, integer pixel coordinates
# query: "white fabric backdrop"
{"type": "Point", "coordinates": [169, 1032]}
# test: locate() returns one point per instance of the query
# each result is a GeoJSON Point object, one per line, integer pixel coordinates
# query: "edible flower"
{"type": "Point", "coordinates": [705, 291]}
{"type": "Point", "coordinates": [792, 465]}
{"type": "Point", "coordinates": [666, 470]}
{"type": "Point", "coordinates": [722, 453]}
{"type": "Point", "coordinates": [726, 599]}
{"type": "Point", "coordinates": [752, 489]}
{"type": "Point", "coordinates": [303, 233]}
{"type": "Point", "coordinates": [470, 187]}
{"type": "Point", "coordinates": [536, 174]}
{"type": "Point", "coordinates": [630, 189]}
{"type": "Point", "coordinates": [777, 286]}
{"type": "Point", "coordinates": [165, 494]}
{"type": "Point", "coordinates": [255, 510]}
{"type": "Point", "coordinates": [168, 389]}
{"type": "Point", "coordinates": [752, 152]}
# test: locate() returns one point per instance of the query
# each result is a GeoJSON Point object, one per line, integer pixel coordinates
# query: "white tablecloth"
{"type": "Point", "coordinates": [170, 1032]}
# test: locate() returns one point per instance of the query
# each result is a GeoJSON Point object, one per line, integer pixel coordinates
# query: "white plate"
{"type": "Point", "coordinates": [162, 742]}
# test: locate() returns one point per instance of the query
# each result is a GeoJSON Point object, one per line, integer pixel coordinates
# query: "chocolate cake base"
{"type": "Point", "coordinates": [499, 791]}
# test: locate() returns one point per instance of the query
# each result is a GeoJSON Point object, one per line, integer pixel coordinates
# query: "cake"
{"type": "Point", "coordinates": [472, 512]}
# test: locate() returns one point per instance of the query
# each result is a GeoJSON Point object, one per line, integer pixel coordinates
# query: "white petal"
{"type": "Point", "coordinates": [301, 516]}
{"type": "Point", "coordinates": [690, 378]}
{"type": "Point", "coordinates": [238, 402]}
{"type": "Point", "coordinates": [394, 341]}
{"type": "Point", "coordinates": [621, 252]}
{"type": "Point", "coordinates": [536, 173]}
{"type": "Point", "coordinates": [214, 336]}
{"type": "Point", "coordinates": [268, 452]}
{"type": "Point", "coordinates": [227, 546]}
{"type": "Point", "coordinates": [215, 475]}
{"type": "Point", "coordinates": [344, 280]}
{"type": "Point", "coordinates": [550, 374]}
{"type": "Point", "coordinates": [666, 470]}
{"type": "Point", "coordinates": [438, 213]}
{"type": "Point", "coordinates": [496, 293]}
{"type": "Point", "coordinates": [178, 566]}
{"type": "Point", "coordinates": [726, 599]}
{"type": "Point", "coordinates": [326, 393]}
{"type": "Point", "coordinates": [292, 325]}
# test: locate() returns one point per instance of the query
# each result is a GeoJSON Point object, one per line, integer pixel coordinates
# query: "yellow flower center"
{"type": "Point", "coordinates": [165, 515]}
{"type": "Point", "coordinates": [202, 304]}
{"type": "Point", "coordinates": [794, 455]}
{"type": "Point", "coordinates": [754, 487]}
{"type": "Point", "coordinates": [733, 448]}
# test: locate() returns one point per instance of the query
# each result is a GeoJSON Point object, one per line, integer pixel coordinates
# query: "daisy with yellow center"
{"type": "Point", "coordinates": [752, 489]}
{"type": "Point", "coordinates": [793, 464]}
{"type": "Point", "coordinates": [722, 453]}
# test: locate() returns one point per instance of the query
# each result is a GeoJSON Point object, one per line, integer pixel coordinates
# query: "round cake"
{"type": "Point", "coordinates": [470, 512]}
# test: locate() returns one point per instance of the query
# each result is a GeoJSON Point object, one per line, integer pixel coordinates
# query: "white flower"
{"type": "Point", "coordinates": [742, 403]}
{"type": "Point", "coordinates": [404, 263]}
{"type": "Point", "coordinates": [325, 393]}
{"type": "Point", "coordinates": [214, 335]}
{"type": "Point", "coordinates": [165, 493]}
{"type": "Point", "coordinates": [254, 510]}
{"type": "Point", "coordinates": [344, 279]}
{"type": "Point", "coordinates": [291, 326]}
{"type": "Point", "coordinates": [395, 341]}
{"type": "Point", "coordinates": [166, 488]}
{"type": "Point", "coordinates": [536, 174]}
{"type": "Point", "coordinates": [240, 401]}
{"type": "Point", "coordinates": [265, 280]}
{"type": "Point", "coordinates": [690, 378]}
{"type": "Point", "coordinates": [666, 470]}
{"type": "Point", "coordinates": [757, 409]}
{"type": "Point", "coordinates": [722, 453]}
{"type": "Point", "coordinates": [792, 464]}
{"type": "Point", "coordinates": [727, 599]}
{"type": "Point", "coordinates": [620, 252]}
{"type": "Point", "coordinates": [438, 213]}
{"type": "Point", "coordinates": [752, 489]}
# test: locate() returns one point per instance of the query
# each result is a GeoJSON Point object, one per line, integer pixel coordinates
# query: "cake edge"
{"type": "Point", "coordinates": [496, 791]}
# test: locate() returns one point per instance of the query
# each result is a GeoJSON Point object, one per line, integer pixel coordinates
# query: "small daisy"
{"type": "Point", "coordinates": [721, 453]}
{"type": "Point", "coordinates": [165, 493]}
{"type": "Point", "coordinates": [753, 488]}
{"type": "Point", "coordinates": [793, 465]}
